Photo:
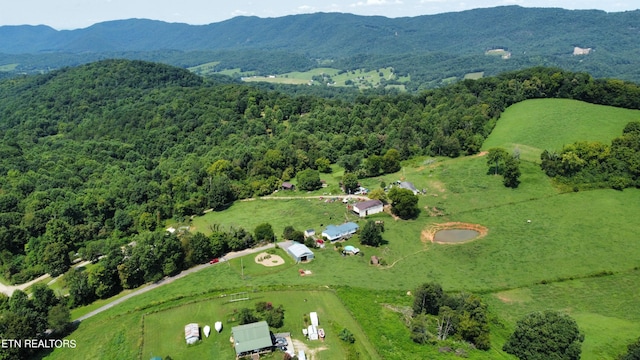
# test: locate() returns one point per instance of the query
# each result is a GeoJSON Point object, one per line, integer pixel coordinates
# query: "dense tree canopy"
{"type": "Point", "coordinates": [100, 153]}
{"type": "Point", "coordinates": [545, 335]}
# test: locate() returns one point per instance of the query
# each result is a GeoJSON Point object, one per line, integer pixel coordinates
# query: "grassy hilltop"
{"type": "Point", "coordinates": [547, 124]}
{"type": "Point", "coordinates": [578, 254]}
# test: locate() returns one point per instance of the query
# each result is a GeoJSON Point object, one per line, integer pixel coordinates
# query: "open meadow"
{"type": "Point", "coordinates": [575, 252]}
{"type": "Point", "coordinates": [547, 124]}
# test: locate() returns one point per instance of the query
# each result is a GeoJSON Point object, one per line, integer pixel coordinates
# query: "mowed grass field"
{"type": "Point", "coordinates": [579, 254]}
{"type": "Point", "coordinates": [164, 330]}
{"type": "Point", "coordinates": [547, 124]}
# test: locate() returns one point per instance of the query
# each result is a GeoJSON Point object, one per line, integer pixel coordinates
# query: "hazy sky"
{"type": "Point", "coordinates": [73, 14]}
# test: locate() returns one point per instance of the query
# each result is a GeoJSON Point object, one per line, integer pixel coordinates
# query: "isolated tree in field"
{"type": "Point", "coordinates": [495, 158]}
{"type": "Point", "coordinates": [309, 180]}
{"type": "Point", "coordinates": [428, 298]}
{"type": "Point", "coordinates": [370, 234]}
{"type": "Point", "coordinates": [264, 232]}
{"type": "Point", "coordinates": [545, 335]}
{"type": "Point", "coordinates": [505, 164]}
{"type": "Point", "coordinates": [633, 351]}
{"type": "Point", "coordinates": [350, 183]}
{"type": "Point", "coordinates": [347, 336]}
{"type": "Point", "coordinates": [403, 203]}
{"type": "Point", "coordinates": [511, 172]}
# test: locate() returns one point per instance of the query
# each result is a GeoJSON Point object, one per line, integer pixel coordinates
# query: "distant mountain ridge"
{"type": "Point", "coordinates": [430, 48]}
{"type": "Point", "coordinates": [323, 34]}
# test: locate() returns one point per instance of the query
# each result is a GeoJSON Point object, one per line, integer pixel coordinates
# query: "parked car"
{"type": "Point", "coordinates": [214, 261]}
{"type": "Point", "coordinates": [281, 342]}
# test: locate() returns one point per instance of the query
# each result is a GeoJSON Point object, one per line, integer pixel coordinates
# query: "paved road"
{"type": "Point", "coordinates": [9, 289]}
{"type": "Point", "coordinates": [168, 280]}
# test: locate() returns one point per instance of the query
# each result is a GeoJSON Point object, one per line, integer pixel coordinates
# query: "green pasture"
{"type": "Point", "coordinates": [536, 125]}
{"type": "Point", "coordinates": [605, 308]}
{"type": "Point", "coordinates": [359, 77]}
{"type": "Point", "coordinates": [8, 67]}
{"type": "Point", "coordinates": [164, 330]}
{"type": "Point", "coordinates": [474, 75]}
{"type": "Point", "coordinates": [309, 213]}
{"type": "Point", "coordinates": [578, 254]}
{"type": "Point", "coordinates": [204, 69]}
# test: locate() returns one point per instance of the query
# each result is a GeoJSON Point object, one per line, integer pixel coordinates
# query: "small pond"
{"type": "Point", "coordinates": [455, 235]}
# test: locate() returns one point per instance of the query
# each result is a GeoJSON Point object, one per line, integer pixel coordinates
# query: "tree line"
{"type": "Point", "coordinates": [592, 164]}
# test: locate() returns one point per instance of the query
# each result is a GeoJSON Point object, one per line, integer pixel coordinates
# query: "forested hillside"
{"type": "Point", "coordinates": [428, 48]}
{"type": "Point", "coordinates": [95, 154]}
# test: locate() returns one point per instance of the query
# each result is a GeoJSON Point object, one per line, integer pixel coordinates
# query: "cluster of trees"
{"type": "Point", "coordinates": [505, 164]}
{"type": "Point", "coordinates": [106, 151]}
{"type": "Point", "coordinates": [594, 164]}
{"type": "Point", "coordinates": [438, 316]}
{"type": "Point", "coordinates": [154, 255]}
{"type": "Point", "coordinates": [273, 315]}
{"type": "Point", "coordinates": [24, 317]}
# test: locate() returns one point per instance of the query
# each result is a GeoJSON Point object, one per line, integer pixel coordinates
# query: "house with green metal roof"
{"type": "Point", "coordinates": [252, 338]}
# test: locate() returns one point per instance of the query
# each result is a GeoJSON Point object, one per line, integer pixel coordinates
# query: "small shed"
{"type": "Point", "coordinates": [300, 252]}
{"type": "Point", "coordinates": [288, 186]}
{"type": "Point", "coordinates": [191, 333]}
{"type": "Point", "coordinates": [251, 338]}
{"type": "Point", "coordinates": [368, 207]}
{"type": "Point", "coordinates": [309, 233]}
{"type": "Point", "coordinates": [375, 260]}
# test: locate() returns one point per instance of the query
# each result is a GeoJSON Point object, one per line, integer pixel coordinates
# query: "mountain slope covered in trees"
{"type": "Point", "coordinates": [99, 153]}
{"type": "Point", "coordinates": [425, 47]}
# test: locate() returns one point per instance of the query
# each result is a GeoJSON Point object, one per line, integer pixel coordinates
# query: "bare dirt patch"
{"type": "Point", "coordinates": [269, 260]}
{"type": "Point", "coordinates": [310, 353]}
{"type": "Point", "coordinates": [428, 234]}
{"type": "Point", "coordinates": [482, 153]}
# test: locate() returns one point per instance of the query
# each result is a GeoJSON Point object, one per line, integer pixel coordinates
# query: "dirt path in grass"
{"type": "Point", "coordinates": [169, 280]}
